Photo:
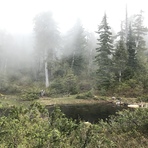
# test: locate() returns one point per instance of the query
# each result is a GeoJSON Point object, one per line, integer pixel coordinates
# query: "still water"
{"type": "Point", "coordinates": [88, 112]}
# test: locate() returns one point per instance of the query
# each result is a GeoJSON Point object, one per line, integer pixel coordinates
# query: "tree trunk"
{"type": "Point", "coordinates": [46, 75]}
{"type": "Point", "coordinates": [73, 60]}
{"type": "Point", "coordinates": [120, 76]}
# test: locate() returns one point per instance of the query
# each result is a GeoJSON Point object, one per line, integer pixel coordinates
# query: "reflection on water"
{"type": "Point", "coordinates": [88, 112]}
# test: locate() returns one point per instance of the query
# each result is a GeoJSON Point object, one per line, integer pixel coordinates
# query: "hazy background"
{"type": "Point", "coordinates": [18, 42]}
{"type": "Point", "coordinates": [16, 16]}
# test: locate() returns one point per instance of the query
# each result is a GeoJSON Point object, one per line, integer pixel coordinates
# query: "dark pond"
{"type": "Point", "coordinates": [88, 112]}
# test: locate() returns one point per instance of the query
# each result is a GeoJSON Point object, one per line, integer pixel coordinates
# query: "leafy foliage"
{"type": "Point", "coordinates": [87, 95]}
{"type": "Point", "coordinates": [130, 88]}
{"type": "Point", "coordinates": [143, 98]}
{"type": "Point", "coordinates": [30, 94]}
{"type": "Point", "coordinates": [63, 85]}
{"type": "Point", "coordinates": [34, 127]}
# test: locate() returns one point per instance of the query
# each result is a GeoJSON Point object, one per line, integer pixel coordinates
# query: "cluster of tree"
{"type": "Point", "coordinates": [66, 63]}
{"type": "Point", "coordinates": [35, 127]}
{"type": "Point", "coordinates": [56, 55]}
{"type": "Point", "coordinates": [125, 60]}
{"type": "Point", "coordinates": [120, 60]}
{"type": "Point", "coordinates": [15, 61]}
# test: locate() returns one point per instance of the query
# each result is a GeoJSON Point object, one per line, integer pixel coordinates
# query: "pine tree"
{"type": "Point", "coordinates": [76, 48]}
{"type": "Point", "coordinates": [120, 56]}
{"type": "Point", "coordinates": [120, 59]}
{"type": "Point", "coordinates": [104, 57]}
{"type": "Point", "coordinates": [139, 31]}
{"type": "Point", "coordinates": [90, 52]}
{"type": "Point", "coordinates": [124, 28]}
{"type": "Point", "coordinates": [131, 49]}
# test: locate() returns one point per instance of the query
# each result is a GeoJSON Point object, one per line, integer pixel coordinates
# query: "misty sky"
{"type": "Point", "coordinates": [16, 16]}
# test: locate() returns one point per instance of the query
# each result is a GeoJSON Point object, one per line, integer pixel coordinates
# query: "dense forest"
{"type": "Point", "coordinates": [76, 61]}
{"type": "Point", "coordinates": [80, 63]}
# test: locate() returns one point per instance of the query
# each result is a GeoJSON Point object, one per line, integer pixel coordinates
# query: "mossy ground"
{"type": "Point", "coordinates": [15, 100]}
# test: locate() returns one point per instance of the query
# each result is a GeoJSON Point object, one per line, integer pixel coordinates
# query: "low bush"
{"type": "Point", "coordinates": [30, 96]}
{"type": "Point", "coordinates": [81, 97]}
{"type": "Point", "coordinates": [10, 89]}
{"type": "Point", "coordinates": [143, 98]}
{"type": "Point", "coordinates": [84, 86]}
{"type": "Point", "coordinates": [87, 95]}
{"type": "Point", "coordinates": [130, 88]}
{"type": "Point", "coordinates": [63, 85]}
{"type": "Point", "coordinates": [103, 92]}
{"type": "Point", "coordinates": [34, 127]}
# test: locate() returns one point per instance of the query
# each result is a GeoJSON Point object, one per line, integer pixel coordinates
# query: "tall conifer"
{"type": "Point", "coordinates": [104, 56]}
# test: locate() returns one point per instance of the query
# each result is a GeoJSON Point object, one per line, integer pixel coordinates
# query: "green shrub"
{"type": "Point", "coordinates": [70, 82]}
{"type": "Point", "coordinates": [34, 127]}
{"type": "Point", "coordinates": [127, 120]}
{"type": "Point", "coordinates": [57, 86]}
{"type": "Point", "coordinates": [81, 97]}
{"type": "Point", "coordinates": [130, 88]}
{"type": "Point", "coordinates": [103, 92]}
{"type": "Point", "coordinates": [64, 85]}
{"type": "Point", "coordinates": [10, 89]}
{"type": "Point", "coordinates": [84, 86]}
{"type": "Point", "coordinates": [51, 92]}
{"type": "Point", "coordinates": [103, 98]}
{"type": "Point", "coordinates": [143, 98]}
{"type": "Point", "coordinates": [87, 95]}
{"type": "Point", "coordinates": [30, 96]}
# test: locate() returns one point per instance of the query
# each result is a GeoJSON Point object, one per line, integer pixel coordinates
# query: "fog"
{"type": "Point", "coordinates": [17, 15]}
{"type": "Point", "coordinates": [18, 42]}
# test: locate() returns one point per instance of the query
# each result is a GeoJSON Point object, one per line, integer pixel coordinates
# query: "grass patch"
{"type": "Point", "coordinates": [16, 100]}
{"type": "Point", "coordinates": [13, 100]}
{"type": "Point", "coordinates": [66, 100]}
{"type": "Point", "coordinates": [10, 100]}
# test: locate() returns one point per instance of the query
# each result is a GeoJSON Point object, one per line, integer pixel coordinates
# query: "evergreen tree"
{"type": "Point", "coordinates": [90, 52]}
{"type": "Point", "coordinates": [133, 36]}
{"type": "Point", "coordinates": [139, 31]}
{"type": "Point", "coordinates": [104, 57]}
{"type": "Point", "coordinates": [47, 40]}
{"type": "Point", "coordinates": [75, 47]}
{"type": "Point", "coordinates": [120, 56]}
{"type": "Point", "coordinates": [120, 59]}
{"type": "Point", "coordinates": [124, 28]}
{"type": "Point", "coordinates": [131, 49]}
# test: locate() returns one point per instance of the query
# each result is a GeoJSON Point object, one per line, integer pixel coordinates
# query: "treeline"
{"type": "Point", "coordinates": [35, 127]}
{"type": "Point", "coordinates": [122, 63]}
{"type": "Point", "coordinates": [77, 61]}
